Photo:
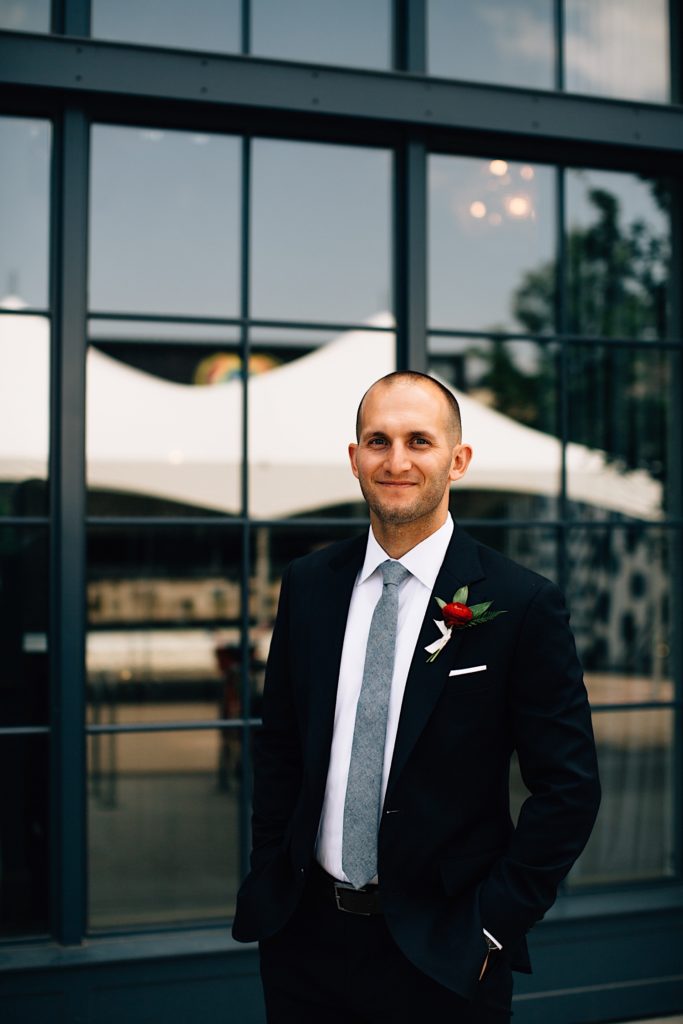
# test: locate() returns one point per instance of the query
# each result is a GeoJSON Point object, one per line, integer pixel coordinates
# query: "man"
{"type": "Point", "coordinates": [406, 666]}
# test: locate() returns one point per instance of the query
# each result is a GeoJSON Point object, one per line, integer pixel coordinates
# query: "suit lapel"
{"type": "Point", "coordinates": [330, 605]}
{"type": "Point", "coordinates": [425, 681]}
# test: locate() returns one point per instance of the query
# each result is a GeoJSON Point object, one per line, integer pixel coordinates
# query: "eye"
{"type": "Point", "coordinates": [420, 440]}
{"type": "Point", "coordinates": [376, 442]}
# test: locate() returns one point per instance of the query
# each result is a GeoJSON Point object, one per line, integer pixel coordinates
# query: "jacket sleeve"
{"type": "Point", "coordinates": [277, 747]}
{"type": "Point", "coordinates": [553, 736]}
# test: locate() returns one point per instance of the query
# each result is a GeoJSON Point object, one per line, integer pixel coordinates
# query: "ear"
{"type": "Point", "coordinates": [462, 456]}
{"type": "Point", "coordinates": [353, 450]}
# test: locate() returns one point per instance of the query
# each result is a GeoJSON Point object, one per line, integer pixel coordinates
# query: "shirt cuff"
{"type": "Point", "coordinates": [493, 942]}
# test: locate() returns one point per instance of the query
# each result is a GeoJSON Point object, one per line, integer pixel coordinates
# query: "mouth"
{"type": "Point", "coordinates": [395, 483]}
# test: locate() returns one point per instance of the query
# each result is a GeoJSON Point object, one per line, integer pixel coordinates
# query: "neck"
{"type": "Point", "coordinates": [398, 538]}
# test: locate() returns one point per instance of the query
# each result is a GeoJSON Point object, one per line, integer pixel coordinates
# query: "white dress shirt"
{"type": "Point", "coordinates": [423, 562]}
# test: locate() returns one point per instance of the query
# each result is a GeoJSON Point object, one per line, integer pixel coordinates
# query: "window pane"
{"type": "Point", "coordinates": [25, 15]}
{"type": "Point", "coordinates": [24, 828]}
{"type": "Point", "coordinates": [163, 638]}
{"type": "Point", "coordinates": [202, 25]}
{"type": "Point", "coordinates": [321, 232]}
{"type": "Point", "coordinates": [620, 401]}
{"type": "Point", "coordinates": [350, 32]}
{"type": "Point", "coordinates": [618, 48]}
{"type": "Point", "coordinates": [164, 216]}
{"type": "Point", "coordinates": [633, 836]}
{"type": "Point", "coordinates": [24, 212]}
{"type": "Point", "coordinates": [618, 254]}
{"type": "Point", "coordinates": [24, 414]}
{"type": "Point", "coordinates": [24, 661]}
{"type": "Point", "coordinates": [507, 391]}
{"type": "Point", "coordinates": [299, 464]}
{"type": "Point", "coordinates": [620, 599]}
{"type": "Point", "coordinates": [491, 245]}
{"type": "Point", "coordinates": [492, 41]}
{"type": "Point", "coordinates": [164, 429]}
{"type": "Point", "coordinates": [163, 812]}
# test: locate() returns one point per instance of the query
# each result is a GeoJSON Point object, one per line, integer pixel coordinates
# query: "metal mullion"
{"type": "Point", "coordinates": [24, 730]}
{"type": "Point", "coordinates": [558, 34]}
{"type": "Point", "coordinates": [246, 26]}
{"type": "Point", "coordinates": [75, 20]}
{"type": "Point", "coordinates": [24, 521]}
{"type": "Point", "coordinates": [234, 321]}
{"type": "Point", "coordinates": [410, 255]}
{"type": "Point", "coordinates": [245, 791]}
{"type": "Point", "coordinates": [669, 344]}
{"type": "Point", "coordinates": [219, 724]}
{"type": "Point", "coordinates": [561, 324]}
{"type": "Point", "coordinates": [409, 31]}
{"type": "Point", "coordinates": [25, 310]}
{"type": "Point", "coordinates": [67, 548]}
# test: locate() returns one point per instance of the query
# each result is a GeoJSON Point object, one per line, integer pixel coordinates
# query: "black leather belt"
{"type": "Point", "coordinates": [365, 901]}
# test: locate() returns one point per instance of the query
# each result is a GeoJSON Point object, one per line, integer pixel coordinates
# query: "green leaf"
{"type": "Point", "coordinates": [441, 603]}
{"type": "Point", "coordinates": [486, 617]}
{"type": "Point", "coordinates": [460, 596]}
{"type": "Point", "coordinates": [479, 609]}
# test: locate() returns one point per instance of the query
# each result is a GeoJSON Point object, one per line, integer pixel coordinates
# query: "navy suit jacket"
{"type": "Point", "coordinates": [450, 860]}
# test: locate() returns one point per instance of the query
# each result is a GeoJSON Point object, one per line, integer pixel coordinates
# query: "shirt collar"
{"type": "Point", "coordinates": [423, 561]}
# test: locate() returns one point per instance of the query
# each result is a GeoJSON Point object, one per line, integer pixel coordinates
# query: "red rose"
{"type": "Point", "coordinates": [456, 614]}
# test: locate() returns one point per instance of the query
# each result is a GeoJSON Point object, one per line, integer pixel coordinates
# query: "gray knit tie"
{"type": "Point", "coordinates": [363, 791]}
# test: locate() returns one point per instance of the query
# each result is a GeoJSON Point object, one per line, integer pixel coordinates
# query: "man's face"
{"type": "Point", "coordinates": [407, 454]}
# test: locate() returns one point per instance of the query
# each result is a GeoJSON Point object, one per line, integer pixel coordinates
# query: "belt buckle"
{"type": "Point", "coordinates": [339, 889]}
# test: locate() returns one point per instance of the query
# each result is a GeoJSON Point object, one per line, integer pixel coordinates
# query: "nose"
{"type": "Point", "coordinates": [398, 459]}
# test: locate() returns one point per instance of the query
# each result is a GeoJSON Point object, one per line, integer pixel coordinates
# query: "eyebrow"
{"type": "Point", "coordinates": [406, 433]}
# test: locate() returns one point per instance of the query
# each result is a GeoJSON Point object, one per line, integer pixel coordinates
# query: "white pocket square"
{"type": "Point", "coordinates": [467, 671]}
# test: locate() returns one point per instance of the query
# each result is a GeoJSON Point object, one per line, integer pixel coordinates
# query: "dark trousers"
{"type": "Point", "coordinates": [340, 968]}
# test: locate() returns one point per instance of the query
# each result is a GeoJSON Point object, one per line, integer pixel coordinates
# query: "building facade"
{"type": "Point", "coordinates": [219, 223]}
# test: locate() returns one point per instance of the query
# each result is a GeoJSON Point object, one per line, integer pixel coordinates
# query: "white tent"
{"type": "Point", "coordinates": [183, 443]}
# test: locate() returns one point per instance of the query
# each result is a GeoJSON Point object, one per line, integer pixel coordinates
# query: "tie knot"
{"type": "Point", "coordinates": [393, 572]}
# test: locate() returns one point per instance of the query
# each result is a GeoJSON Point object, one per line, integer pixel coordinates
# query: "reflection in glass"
{"type": "Point", "coordinates": [298, 463]}
{"type": "Point", "coordinates": [24, 414]}
{"type": "Point", "coordinates": [633, 836]}
{"type": "Point", "coordinates": [164, 214]}
{"type": "Point", "coordinates": [492, 41]}
{"type": "Point", "coordinates": [618, 252]}
{"type": "Point", "coordinates": [618, 48]}
{"type": "Point", "coordinates": [163, 812]}
{"type": "Point", "coordinates": [620, 599]}
{"type": "Point", "coordinates": [24, 664]}
{"type": "Point", "coordinates": [491, 239]}
{"type": "Point", "coordinates": [202, 25]}
{"type": "Point", "coordinates": [350, 32]}
{"type": "Point", "coordinates": [619, 428]}
{"type": "Point", "coordinates": [25, 16]}
{"type": "Point", "coordinates": [321, 232]}
{"type": "Point", "coordinates": [163, 639]}
{"type": "Point", "coordinates": [507, 391]}
{"type": "Point", "coordinates": [24, 835]}
{"type": "Point", "coordinates": [164, 430]}
{"type": "Point", "coordinates": [24, 212]}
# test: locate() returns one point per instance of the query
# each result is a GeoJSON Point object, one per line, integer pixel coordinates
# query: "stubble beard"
{"type": "Point", "coordinates": [396, 516]}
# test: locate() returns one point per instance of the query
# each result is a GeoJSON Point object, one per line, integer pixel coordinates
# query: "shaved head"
{"type": "Point", "coordinates": [413, 377]}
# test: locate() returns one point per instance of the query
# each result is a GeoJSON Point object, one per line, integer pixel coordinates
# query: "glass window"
{"type": "Point", "coordinates": [24, 414]}
{"type": "Point", "coordinates": [620, 598]}
{"type": "Point", "coordinates": [350, 32]}
{"type": "Point", "coordinates": [491, 244]}
{"type": "Point", "coordinates": [321, 232]}
{"type": "Point", "coordinates": [164, 630]}
{"type": "Point", "coordinates": [492, 41]}
{"type": "Point", "coordinates": [633, 836]}
{"type": "Point", "coordinates": [164, 218]}
{"type": "Point", "coordinates": [618, 48]}
{"type": "Point", "coordinates": [507, 391]}
{"type": "Point", "coordinates": [618, 254]}
{"type": "Point", "coordinates": [298, 459]}
{"type": "Point", "coordinates": [25, 16]}
{"type": "Point", "coordinates": [164, 428]}
{"type": "Point", "coordinates": [620, 402]}
{"type": "Point", "coordinates": [202, 25]}
{"type": "Point", "coordinates": [24, 212]}
{"type": "Point", "coordinates": [24, 835]}
{"type": "Point", "coordinates": [163, 811]}
{"type": "Point", "coordinates": [24, 658]}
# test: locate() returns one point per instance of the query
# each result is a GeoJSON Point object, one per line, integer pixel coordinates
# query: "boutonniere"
{"type": "Point", "coordinates": [457, 614]}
